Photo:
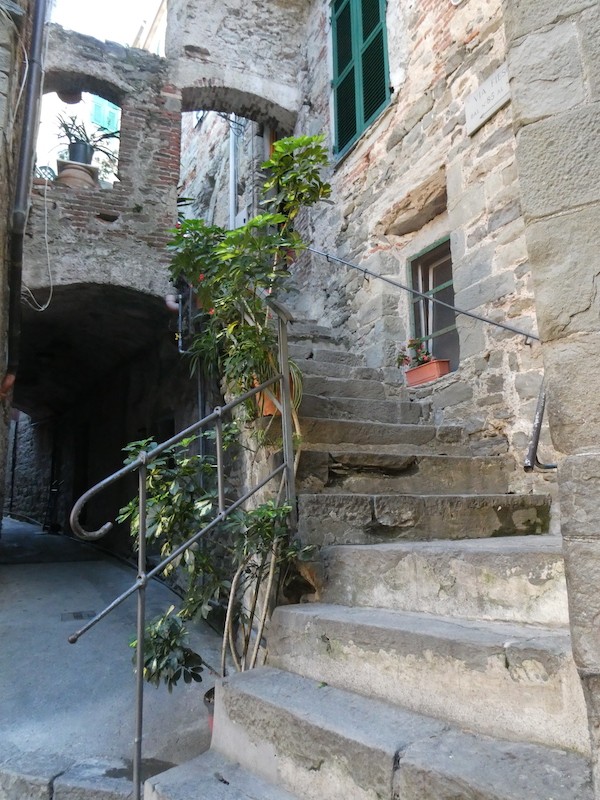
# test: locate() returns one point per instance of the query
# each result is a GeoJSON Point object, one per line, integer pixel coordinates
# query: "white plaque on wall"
{"type": "Point", "coordinates": [489, 98]}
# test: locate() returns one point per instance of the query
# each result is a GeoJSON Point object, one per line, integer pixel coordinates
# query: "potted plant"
{"type": "Point", "coordinates": [422, 366]}
{"type": "Point", "coordinates": [84, 143]}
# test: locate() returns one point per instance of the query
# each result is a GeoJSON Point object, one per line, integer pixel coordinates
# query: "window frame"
{"type": "Point", "coordinates": [358, 48]}
{"type": "Point", "coordinates": [422, 310]}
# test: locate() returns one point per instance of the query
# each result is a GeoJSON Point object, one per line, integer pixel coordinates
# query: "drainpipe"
{"type": "Point", "coordinates": [23, 187]}
{"type": "Point", "coordinates": [232, 172]}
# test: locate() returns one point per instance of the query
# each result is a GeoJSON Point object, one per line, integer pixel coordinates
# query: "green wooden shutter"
{"type": "Point", "coordinates": [345, 74]}
{"type": "Point", "coordinates": [360, 81]}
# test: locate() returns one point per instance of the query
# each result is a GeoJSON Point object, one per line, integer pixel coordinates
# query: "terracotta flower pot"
{"type": "Point", "coordinates": [427, 372]}
{"type": "Point", "coordinates": [77, 176]}
{"type": "Point", "coordinates": [266, 407]}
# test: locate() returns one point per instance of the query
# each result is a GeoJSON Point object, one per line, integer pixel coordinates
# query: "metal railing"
{"type": "Point", "coordinates": [531, 461]}
{"type": "Point", "coordinates": [285, 471]}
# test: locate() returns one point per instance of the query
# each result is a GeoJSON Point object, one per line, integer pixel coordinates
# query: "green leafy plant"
{"type": "Point", "coordinates": [232, 273]}
{"type": "Point", "coordinates": [238, 559]}
{"type": "Point", "coordinates": [181, 499]}
{"type": "Point", "coordinates": [72, 131]}
{"type": "Point", "coordinates": [167, 657]}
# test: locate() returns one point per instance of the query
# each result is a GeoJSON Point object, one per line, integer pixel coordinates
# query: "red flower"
{"type": "Point", "coordinates": [200, 277]}
{"type": "Point", "coordinates": [211, 311]}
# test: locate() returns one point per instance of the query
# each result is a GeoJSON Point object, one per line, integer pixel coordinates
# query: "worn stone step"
{"type": "Point", "coordinates": [462, 766]}
{"type": "Point", "coordinates": [338, 356]}
{"type": "Point", "coordinates": [514, 579]}
{"type": "Point", "coordinates": [327, 352]}
{"type": "Point", "coordinates": [310, 329]}
{"type": "Point", "coordinates": [326, 386]}
{"type": "Point", "coordinates": [212, 777]}
{"type": "Point", "coordinates": [328, 469]}
{"type": "Point", "coordinates": [315, 740]}
{"type": "Point", "coordinates": [496, 678]}
{"type": "Point", "coordinates": [323, 742]}
{"type": "Point", "coordinates": [355, 433]}
{"type": "Point", "coordinates": [370, 518]}
{"type": "Point", "coordinates": [308, 366]}
{"type": "Point", "coordinates": [376, 410]}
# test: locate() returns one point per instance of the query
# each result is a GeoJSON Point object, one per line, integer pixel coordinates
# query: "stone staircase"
{"type": "Point", "coordinates": [435, 663]}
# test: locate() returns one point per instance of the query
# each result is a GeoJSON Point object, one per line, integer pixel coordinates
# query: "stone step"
{"type": "Point", "coordinates": [322, 742]}
{"type": "Point", "coordinates": [310, 329]}
{"type": "Point", "coordinates": [212, 777]}
{"type": "Point", "coordinates": [326, 386]}
{"type": "Point", "coordinates": [376, 410]}
{"type": "Point", "coordinates": [326, 352]}
{"type": "Point", "coordinates": [514, 579]}
{"type": "Point", "coordinates": [328, 469]}
{"type": "Point", "coordinates": [313, 739]}
{"type": "Point", "coordinates": [355, 433]}
{"type": "Point", "coordinates": [341, 356]}
{"type": "Point", "coordinates": [370, 518]}
{"type": "Point", "coordinates": [308, 366]}
{"type": "Point", "coordinates": [463, 766]}
{"type": "Point", "coordinates": [497, 678]}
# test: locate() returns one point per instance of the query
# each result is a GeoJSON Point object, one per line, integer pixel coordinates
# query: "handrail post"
{"type": "Point", "coordinates": [141, 631]}
{"type": "Point", "coordinates": [220, 463]}
{"type": "Point", "coordinates": [531, 459]}
{"type": "Point", "coordinates": [286, 420]}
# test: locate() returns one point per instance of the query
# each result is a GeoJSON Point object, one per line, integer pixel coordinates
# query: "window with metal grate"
{"type": "Point", "coordinates": [360, 82]}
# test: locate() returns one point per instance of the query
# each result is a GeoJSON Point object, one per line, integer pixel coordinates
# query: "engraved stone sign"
{"type": "Point", "coordinates": [487, 99]}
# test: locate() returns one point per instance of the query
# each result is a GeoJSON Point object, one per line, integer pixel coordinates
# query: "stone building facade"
{"type": "Point", "coordinates": [474, 154]}
{"type": "Point", "coordinates": [415, 178]}
{"type": "Point", "coordinates": [14, 36]}
{"type": "Point", "coordinates": [99, 365]}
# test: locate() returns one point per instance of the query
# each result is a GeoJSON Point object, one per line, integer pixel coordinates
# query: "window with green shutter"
{"type": "Point", "coordinates": [360, 81]}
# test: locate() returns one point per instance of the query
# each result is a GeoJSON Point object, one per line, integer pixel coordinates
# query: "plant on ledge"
{"type": "Point", "coordinates": [422, 366]}
{"type": "Point", "coordinates": [419, 355]}
{"type": "Point", "coordinates": [83, 143]}
{"type": "Point", "coordinates": [233, 272]}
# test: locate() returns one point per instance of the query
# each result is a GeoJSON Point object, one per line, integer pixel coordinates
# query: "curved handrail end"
{"type": "Point", "coordinates": [90, 536]}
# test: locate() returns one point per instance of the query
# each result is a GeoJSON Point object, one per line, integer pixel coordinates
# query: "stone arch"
{"type": "Point", "coordinates": [276, 106]}
{"type": "Point", "coordinates": [73, 81]}
{"type": "Point", "coordinates": [85, 333]}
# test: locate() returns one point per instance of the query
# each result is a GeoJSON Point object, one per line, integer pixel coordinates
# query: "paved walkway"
{"type": "Point", "coordinates": [67, 711]}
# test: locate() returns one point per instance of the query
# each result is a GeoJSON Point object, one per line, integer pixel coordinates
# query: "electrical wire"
{"type": "Point", "coordinates": [27, 295]}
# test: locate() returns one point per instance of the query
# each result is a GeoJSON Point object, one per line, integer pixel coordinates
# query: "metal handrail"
{"type": "Point", "coordinates": [140, 464]}
{"type": "Point", "coordinates": [531, 460]}
{"type": "Point", "coordinates": [427, 296]}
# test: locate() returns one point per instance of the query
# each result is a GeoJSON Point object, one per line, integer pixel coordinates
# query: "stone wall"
{"type": "Point", "coordinates": [205, 165]}
{"type": "Point", "coordinates": [416, 176]}
{"type": "Point", "coordinates": [554, 67]}
{"type": "Point", "coordinates": [113, 235]}
{"type": "Point", "coordinates": [99, 366]}
{"type": "Point", "coordinates": [14, 35]}
{"type": "Point", "coordinates": [238, 56]}
{"type": "Point", "coordinates": [413, 178]}
{"type": "Point", "coordinates": [28, 469]}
